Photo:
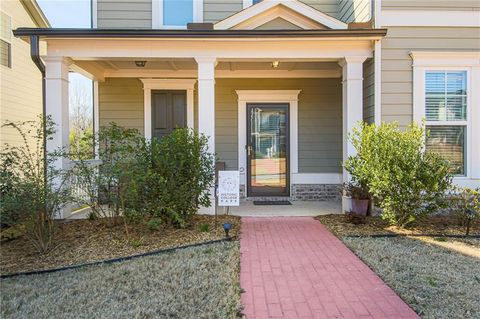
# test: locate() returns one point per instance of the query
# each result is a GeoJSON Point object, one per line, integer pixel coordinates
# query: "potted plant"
{"type": "Point", "coordinates": [359, 198]}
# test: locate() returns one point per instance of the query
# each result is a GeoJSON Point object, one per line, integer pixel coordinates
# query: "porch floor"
{"type": "Point", "coordinates": [298, 208]}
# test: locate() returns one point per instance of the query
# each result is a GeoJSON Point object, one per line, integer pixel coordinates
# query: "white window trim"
{"type": "Point", "coordinates": [166, 84]}
{"type": "Point", "coordinates": [453, 61]}
{"type": "Point", "coordinates": [157, 15]}
{"type": "Point", "coordinates": [8, 41]}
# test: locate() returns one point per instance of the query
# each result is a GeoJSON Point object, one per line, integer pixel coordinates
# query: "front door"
{"type": "Point", "coordinates": [268, 150]}
{"type": "Point", "coordinates": [169, 111]}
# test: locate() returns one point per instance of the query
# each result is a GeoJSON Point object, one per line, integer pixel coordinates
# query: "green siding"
{"type": "Point", "coordinates": [397, 71]}
{"type": "Point", "coordinates": [124, 14]}
{"type": "Point", "coordinates": [354, 10]}
{"type": "Point", "coordinates": [369, 91]}
{"type": "Point", "coordinates": [121, 101]}
{"type": "Point", "coordinates": [319, 120]}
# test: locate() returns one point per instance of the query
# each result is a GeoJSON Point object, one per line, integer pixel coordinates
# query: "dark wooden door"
{"type": "Point", "coordinates": [169, 111]}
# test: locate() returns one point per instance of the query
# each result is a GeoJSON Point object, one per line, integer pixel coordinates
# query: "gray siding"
{"type": "Point", "coordinates": [397, 72]}
{"type": "Point", "coordinates": [216, 10]}
{"type": "Point", "coordinates": [369, 91]}
{"type": "Point", "coordinates": [430, 4]}
{"type": "Point", "coordinates": [121, 101]}
{"type": "Point", "coordinates": [319, 120]}
{"type": "Point", "coordinates": [329, 7]}
{"type": "Point", "coordinates": [124, 14]}
{"type": "Point", "coordinates": [354, 10]}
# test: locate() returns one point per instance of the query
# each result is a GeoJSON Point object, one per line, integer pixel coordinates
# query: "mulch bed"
{"type": "Point", "coordinates": [80, 241]}
{"type": "Point", "coordinates": [342, 225]}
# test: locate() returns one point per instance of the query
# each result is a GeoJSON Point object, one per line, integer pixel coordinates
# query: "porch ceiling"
{"type": "Point", "coordinates": [180, 68]}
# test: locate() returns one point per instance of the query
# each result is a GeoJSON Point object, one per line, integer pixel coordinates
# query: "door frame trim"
{"type": "Point", "coordinates": [248, 180]}
{"type": "Point", "coordinates": [266, 96]}
{"type": "Point", "coordinates": [150, 85]}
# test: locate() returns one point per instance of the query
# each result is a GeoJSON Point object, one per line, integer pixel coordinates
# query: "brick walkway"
{"type": "Point", "coordinates": [293, 267]}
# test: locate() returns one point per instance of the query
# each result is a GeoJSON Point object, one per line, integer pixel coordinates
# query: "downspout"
{"type": "Point", "coordinates": [35, 55]}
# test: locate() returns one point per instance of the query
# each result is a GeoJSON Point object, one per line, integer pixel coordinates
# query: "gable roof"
{"type": "Point", "coordinates": [296, 12]}
{"type": "Point", "coordinates": [33, 9]}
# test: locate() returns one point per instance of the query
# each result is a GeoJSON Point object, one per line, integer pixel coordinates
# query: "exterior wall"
{"type": "Point", "coordinates": [369, 91]}
{"type": "Point", "coordinates": [397, 72]}
{"type": "Point", "coordinates": [329, 7]}
{"type": "Point", "coordinates": [316, 192]}
{"type": "Point", "coordinates": [430, 4]}
{"type": "Point", "coordinates": [216, 10]}
{"type": "Point", "coordinates": [121, 101]}
{"type": "Point", "coordinates": [124, 14]}
{"type": "Point", "coordinates": [319, 120]}
{"type": "Point", "coordinates": [21, 85]}
{"type": "Point", "coordinates": [354, 10]}
{"type": "Point", "coordinates": [138, 13]}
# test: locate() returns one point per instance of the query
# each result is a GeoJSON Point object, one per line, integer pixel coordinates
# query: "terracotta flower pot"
{"type": "Point", "coordinates": [360, 206]}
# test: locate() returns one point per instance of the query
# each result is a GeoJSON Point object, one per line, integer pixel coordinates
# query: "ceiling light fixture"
{"type": "Point", "coordinates": [275, 64]}
{"type": "Point", "coordinates": [140, 64]}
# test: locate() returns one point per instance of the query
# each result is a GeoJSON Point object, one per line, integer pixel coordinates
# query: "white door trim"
{"type": "Point", "coordinates": [166, 84]}
{"type": "Point", "coordinates": [266, 96]}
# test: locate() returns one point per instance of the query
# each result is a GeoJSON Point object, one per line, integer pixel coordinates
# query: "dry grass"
{"type": "Point", "coordinates": [436, 282]}
{"type": "Point", "coordinates": [198, 282]}
{"type": "Point", "coordinates": [80, 241]}
{"type": "Point", "coordinates": [446, 225]}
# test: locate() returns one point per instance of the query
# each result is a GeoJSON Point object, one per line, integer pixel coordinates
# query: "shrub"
{"type": "Point", "coordinates": [203, 228]}
{"type": "Point", "coordinates": [167, 178]}
{"type": "Point", "coordinates": [407, 181]}
{"type": "Point", "coordinates": [32, 191]}
{"type": "Point", "coordinates": [154, 224]}
{"type": "Point", "coordinates": [107, 186]}
{"type": "Point", "coordinates": [182, 172]}
{"type": "Point", "coordinates": [465, 204]}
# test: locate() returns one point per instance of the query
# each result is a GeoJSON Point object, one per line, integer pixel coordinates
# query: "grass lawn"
{"type": "Point", "coordinates": [438, 277]}
{"type": "Point", "coordinates": [435, 282]}
{"type": "Point", "coordinates": [197, 282]}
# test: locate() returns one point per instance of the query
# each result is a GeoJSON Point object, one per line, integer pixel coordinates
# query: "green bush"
{"type": "Point", "coordinates": [203, 228]}
{"type": "Point", "coordinates": [181, 175]}
{"type": "Point", "coordinates": [108, 186]}
{"type": "Point", "coordinates": [406, 181]}
{"type": "Point", "coordinates": [168, 178]}
{"type": "Point", "coordinates": [154, 224]}
{"type": "Point", "coordinates": [32, 191]}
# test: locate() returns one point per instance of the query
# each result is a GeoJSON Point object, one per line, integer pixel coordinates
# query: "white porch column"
{"type": "Point", "coordinates": [352, 102]}
{"type": "Point", "coordinates": [56, 90]}
{"type": "Point", "coordinates": [206, 107]}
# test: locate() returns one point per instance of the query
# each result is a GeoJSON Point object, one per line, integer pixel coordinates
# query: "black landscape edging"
{"type": "Point", "coordinates": [412, 235]}
{"type": "Point", "coordinates": [114, 260]}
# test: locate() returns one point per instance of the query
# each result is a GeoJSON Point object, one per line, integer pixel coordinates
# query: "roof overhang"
{"type": "Point", "coordinates": [36, 13]}
{"type": "Point", "coordinates": [57, 33]}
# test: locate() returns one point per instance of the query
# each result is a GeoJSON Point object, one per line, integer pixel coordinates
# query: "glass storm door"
{"type": "Point", "coordinates": [267, 150]}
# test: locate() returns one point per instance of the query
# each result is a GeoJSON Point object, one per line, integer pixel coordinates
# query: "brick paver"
{"type": "Point", "coordinates": [293, 267]}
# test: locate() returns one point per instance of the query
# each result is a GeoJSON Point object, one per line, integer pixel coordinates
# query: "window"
{"type": "Point", "coordinates": [177, 12]}
{"type": "Point", "coordinates": [446, 116]}
{"type": "Point", "coordinates": [5, 40]}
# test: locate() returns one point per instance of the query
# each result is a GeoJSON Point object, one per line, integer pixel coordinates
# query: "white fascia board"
{"type": "Point", "coordinates": [428, 18]}
{"type": "Point", "coordinates": [294, 5]}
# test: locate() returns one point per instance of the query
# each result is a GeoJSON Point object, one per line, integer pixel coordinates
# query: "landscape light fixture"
{"type": "Point", "coordinates": [226, 228]}
{"type": "Point", "coordinates": [140, 64]}
{"type": "Point", "coordinates": [275, 64]}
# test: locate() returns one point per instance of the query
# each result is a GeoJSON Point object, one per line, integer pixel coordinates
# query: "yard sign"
{"type": "Point", "coordinates": [228, 188]}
